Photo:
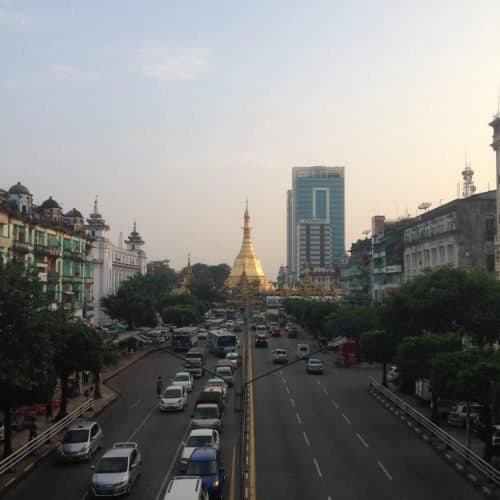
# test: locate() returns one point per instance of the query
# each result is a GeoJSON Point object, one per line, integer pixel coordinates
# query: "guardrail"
{"type": "Point", "coordinates": [7, 463]}
{"type": "Point", "coordinates": [466, 453]}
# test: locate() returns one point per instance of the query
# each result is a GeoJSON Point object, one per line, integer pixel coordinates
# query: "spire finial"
{"type": "Point", "coordinates": [135, 227]}
{"type": "Point", "coordinates": [95, 205]}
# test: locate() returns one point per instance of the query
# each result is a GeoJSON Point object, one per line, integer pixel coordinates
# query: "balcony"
{"type": "Point", "coordinates": [72, 278]}
{"type": "Point", "coordinates": [4, 241]}
{"type": "Point", "coordinates": [71, 254]}
{"type": "Point", "coordinates": [22, 246]}
{"type": "Point", "coordinates": [49, 250]}
{"type": "Point", "coordinates": [53, 277]}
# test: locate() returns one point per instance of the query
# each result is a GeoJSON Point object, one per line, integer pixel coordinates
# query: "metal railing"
{"type": "Point", "coordinates": [459, 448]}
{"type": "Point", "coordinates": [8, 463]}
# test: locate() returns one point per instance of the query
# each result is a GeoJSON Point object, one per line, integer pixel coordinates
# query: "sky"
{"type": "Point", "coordinates": [175, 112]}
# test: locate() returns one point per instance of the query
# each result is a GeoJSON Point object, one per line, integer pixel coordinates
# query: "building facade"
{"type": "Point", "coordinates": [111, 264]}
{"type": "Point", "coordinates": [316, 218]}
{"type": "Point", "coordinates": [56, 244]}
{"type": "Point", "coordinates": [495, 124]}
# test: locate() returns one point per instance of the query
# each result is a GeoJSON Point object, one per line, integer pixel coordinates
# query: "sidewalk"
{"type": "Point", "coordinates": [108, 396]}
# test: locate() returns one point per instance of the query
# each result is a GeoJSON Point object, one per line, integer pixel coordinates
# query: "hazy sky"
{"type": "Point", "coordinates": [175, 112]}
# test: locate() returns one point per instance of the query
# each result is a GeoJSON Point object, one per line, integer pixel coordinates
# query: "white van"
{"type": "Point", "coordinates": [185, 488]}
{"type": "Point", "coordinates": [303, 351]}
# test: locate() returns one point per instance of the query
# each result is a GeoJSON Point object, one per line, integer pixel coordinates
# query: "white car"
{"type": "Point", "coordinates": [234, 357]}
{"type": "Point", "coordinates": [202, 333]}
{"type": "Point", "coordinates": [218, 382]}
{"type": "Point", "coordinates": [185, 379]}
{"type": "Point", "coordinates": [199, 438]}
{"type": "Point", "coordinates": [175, 397]}
{"type": "Point", "coordinates": [226, 373]}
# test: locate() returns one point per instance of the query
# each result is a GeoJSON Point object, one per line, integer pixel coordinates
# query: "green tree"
{"type": "Point", "coordinates": [378, 346]}
{"type": "Point", "coordinates": [351, 321]}
{"type": "Point", "coordinates": [208, 282]}
{"type": "Point", "coordinates": [26, 351]}
{"type": "Point", "coordinates": [181, 315]}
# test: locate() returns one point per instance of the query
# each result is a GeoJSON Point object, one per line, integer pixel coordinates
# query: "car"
{"type": "Point", "coordinates": [225, 373]}
{"type": "Point", "coordinates": [217, 382]}
{"type": "Point", "coordinates": [174, 398]}
{"type": "Point", "coordinates": [235, 359]}
{"type": "Point", "coordinates": [261, 340]}
{"type": "Point", "coordinates": [207, 463]}
{"type": "Point", "coordinates": [314, 365]}
{"type": "Point", "coordinates": [202, 333]}
{"type": "Point", "coordinates": [117, 471]}
{"type": "Point", "coordinates": [198, 438]}
{"type": "Point", "coordinates": [293, 332]}
{"type": "Point", "coordinates": [303, 351]}
{"type": "Point", "coordinates": [237, 328]}
{"type": "Point", "coordinates": [185, 488]}
{"type": "Point", "coordinates": [393, 374]}
{"type": "Point", "coordinates": [185, 379]}
{"type": "Point", "coordinates": [229, 323]}
{"type": "Point", "coordinates": [207, 416]}
{"type": "Point", "coordinates": [276, 331]}
{"type": "Point", "coordinates": [80, 442]}
{"type": "Point", "coordinates": [280, 356]}
{"type": "Point", "coordinates": [457, 416]}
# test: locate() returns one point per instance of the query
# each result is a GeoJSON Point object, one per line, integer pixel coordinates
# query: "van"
{"type": "Point", "coordinates": [303, 351]}
{"type": "Point", "coordinates": [212, 395]}
{"type": "Point", "coordinates": [207, 416]}
{"type": "Point", "coordinates": [185, 488]}
{"type": "Point", "coordinates": [194, 362]}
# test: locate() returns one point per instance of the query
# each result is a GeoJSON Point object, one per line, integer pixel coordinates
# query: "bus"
{"type": "Point", "coordinates": [184, 338]}
{"type": "Point", "coordinates": [221, 342]}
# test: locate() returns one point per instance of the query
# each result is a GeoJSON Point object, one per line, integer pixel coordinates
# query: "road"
{"type": "Point", "coordinates": [324, 437]}
{"type": "Point", "coordinates": [135, 417]}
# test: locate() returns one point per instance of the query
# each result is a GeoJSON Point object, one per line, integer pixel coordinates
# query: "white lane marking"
{"type": "Point", "coordinates": [325, 391]}
{"type": "Point", "coordinates": [299, 420]}
{"type": "Point", "coordinates": [284, 380]}
{"type": "Point", "coordinates": [135, 404]}
{"type": "Point", "coordinates": [281, 372]}
{"type": "Point", "coordinates": [287, 389]}
{"type": "Point", "coordinates": [318, 382]}
{"type": "Point", "coordinates": [346, 419]}
{"type": "Point", "coordinates": [293, 402]}
{"type": "Point", "coordinates": [141, 425]}
{"type": "Point", "coordinates": [365, 444]}
{"type": "Point", "coordinates": [385, 470]}
{"type": "Point", "coordinates": [85, 496]}
{"type": "Point", "coordinates": [305, 439]}
{"type": "Point", "coordinates": [317, 467]}
{"type": "Point", "coordinates": [173, 462]}
{"type": "Point", "coordinates": [335, 403]}
{"type": "Point", "coordinates": [329, 498]}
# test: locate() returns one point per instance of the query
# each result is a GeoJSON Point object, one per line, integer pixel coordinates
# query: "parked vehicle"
{"type": "Point", "coordinates": [314, 365]}
{"type": "Point", "coordinates": [458, 413]}
{"type": "Point", "coordinates": [207, 416]}
{"type": "Point", "coordinates": [207, 463]}
{"type": "Point", "coordinates": [186, 488]}
{"type": "Point", "coordinates": [198, 438]}
{"type": "Point", "coordinates": [276, 331]}
{"type": "Point", "coordinates": [116, 471]}
{"type": "Point", "coordinates": [80, 442]}
{"type": "Point", "coordinates": [174, 398]}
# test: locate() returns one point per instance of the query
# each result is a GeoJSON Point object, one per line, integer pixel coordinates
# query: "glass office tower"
{"type": "Point", "coordinates": [317, 223]}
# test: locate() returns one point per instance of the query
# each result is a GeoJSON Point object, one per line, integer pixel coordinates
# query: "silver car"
{"type": "Point", "coordinates": [116, 471]}
{"type": "Point", "coordinates": [80, 442]}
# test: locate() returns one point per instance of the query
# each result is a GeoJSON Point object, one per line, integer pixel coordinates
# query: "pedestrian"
{"type": "Point", "coordinates": [159, 386]}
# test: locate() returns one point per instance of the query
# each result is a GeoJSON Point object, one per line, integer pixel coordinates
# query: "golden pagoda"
{"type": "Point", "coordinates": [247, 267]}
{"type": "Point", "coordinates": [183, 288]}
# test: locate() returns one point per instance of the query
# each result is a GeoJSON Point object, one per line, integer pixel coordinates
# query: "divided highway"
{"type": "Point", "coordinates": [323, 437]}
{"type": "Point", "coordinates": [135, 417]}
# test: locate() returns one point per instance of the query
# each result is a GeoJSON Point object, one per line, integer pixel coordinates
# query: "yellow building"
{"type": "Point", "coordinates": [247, 264]}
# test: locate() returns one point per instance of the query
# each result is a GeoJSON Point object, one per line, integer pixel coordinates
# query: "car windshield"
{"type": "Point", "coordinates": [206, 412]}
{"type": "Point", "coordinates": [314, 362]}
{"type": "Point", "coordinates": [231, 355]}
{"type": "Point", "coordinates": [199, 441]}
{"type": "Point", "coordinates": [201, 468]}
{"type": "Point", "coordinates": [223, 370]}
{"type": "Point", "coordinates": [227, 340]}
{"type": "Point", "coordinates": [112, 465]}
{"type": "Point", "coordinates": [182, 378]}
{"type": "Point", "coordinates": [76, 436]}
{"type": "Point", "coordinates": [172, 393]}
{"type": "Point", "coordinates": [281, 352]}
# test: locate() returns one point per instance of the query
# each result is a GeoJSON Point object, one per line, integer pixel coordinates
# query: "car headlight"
{"type": "Point", "coordinates": [86, 447]}
{"type": "Point", "coordinates": [121, 485]}
{"type": "Point", "coordinates": [216, 484]}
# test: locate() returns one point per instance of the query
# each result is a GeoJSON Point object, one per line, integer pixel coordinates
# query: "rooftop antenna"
{"type": "Point", "coordinates": [424, 206]}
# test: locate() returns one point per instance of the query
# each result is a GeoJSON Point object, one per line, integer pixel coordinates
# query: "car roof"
{"type": "Point", "coordinates": [213, 388]}
{"type": "Point", "coordinates": [184, 486]}
{"type": "Point", "coordinates": [201, 432]}
{"type": "Point", "coordinates": [118, 452]}
{"type": "Point", "coordinates": [203, 454]}
{"type": "Point", "coordinates": [175, 386]}
{"type": "Point", "coordinates": [82, 426]}
{"type": "Point", "coordinates": [215, 379]}
{"type": "Point", "coordinates": [315, 360]}
{"type": "Point", "coordinates": [181, 373]}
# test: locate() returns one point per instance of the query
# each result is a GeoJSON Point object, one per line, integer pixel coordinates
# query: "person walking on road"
{"type": "Point", "coordinates": [159, 386]}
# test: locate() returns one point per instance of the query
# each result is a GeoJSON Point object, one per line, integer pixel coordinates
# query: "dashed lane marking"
{"type": "Point", "coordinates": [305, 439]}
{"type": "Point", "coordinates": [299, 420]}
{"type": "Point", "coordinates": [346, 419]}
{"type": "Point", "coordinates": [293, 402]}
{"type": "Point", "coordinates": [141, 425]}
{"type": "Point", "coordinates": [325, 391]}
{"type": "Point", "coordinates": [384, 470]}
{"type": "Point", "coordinates": [365, 444]}
{"type": "Point", "coordinates": [287, 389]}
{"type": "Point", "coordinates": [335, 403]}
{"type": "Point", "coordinates": [318, 470]}
{"type": "Point", "coordinates": [136, 403]}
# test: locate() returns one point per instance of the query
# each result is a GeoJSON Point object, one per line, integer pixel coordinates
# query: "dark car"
{"type": "Point", "coordinates": [292, 332]}
{"type": "Point", "coordinates": [207, 464]}
{"type": "Point", "coordinates": [261, 340]}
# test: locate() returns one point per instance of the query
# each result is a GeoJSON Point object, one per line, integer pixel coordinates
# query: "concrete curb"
{"type": "Point", "coordinates": [36, 459]}
{"type": "Point", "coordinates": [487, 491]}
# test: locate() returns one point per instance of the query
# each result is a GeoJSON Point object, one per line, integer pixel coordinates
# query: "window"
{"type": "Point", "coordinates": [450, 254]}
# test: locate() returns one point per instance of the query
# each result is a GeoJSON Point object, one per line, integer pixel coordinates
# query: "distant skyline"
{"type": "Point", "coordinates": [174, 113]}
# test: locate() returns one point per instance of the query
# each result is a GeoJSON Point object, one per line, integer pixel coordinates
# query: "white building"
{"type": "Point", "coordinates": [111, 264]}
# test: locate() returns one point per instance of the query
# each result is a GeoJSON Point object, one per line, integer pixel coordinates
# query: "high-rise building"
{"type": "Point", "coordinates": [316, 218]}
{"type": "Point", "coordinates": [495, 124]}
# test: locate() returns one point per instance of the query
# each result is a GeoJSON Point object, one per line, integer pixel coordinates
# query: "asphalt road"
{"type": "Point", "coordinates": [324, 437]}
{"type": "Point", "coordinates": [135, 417]}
